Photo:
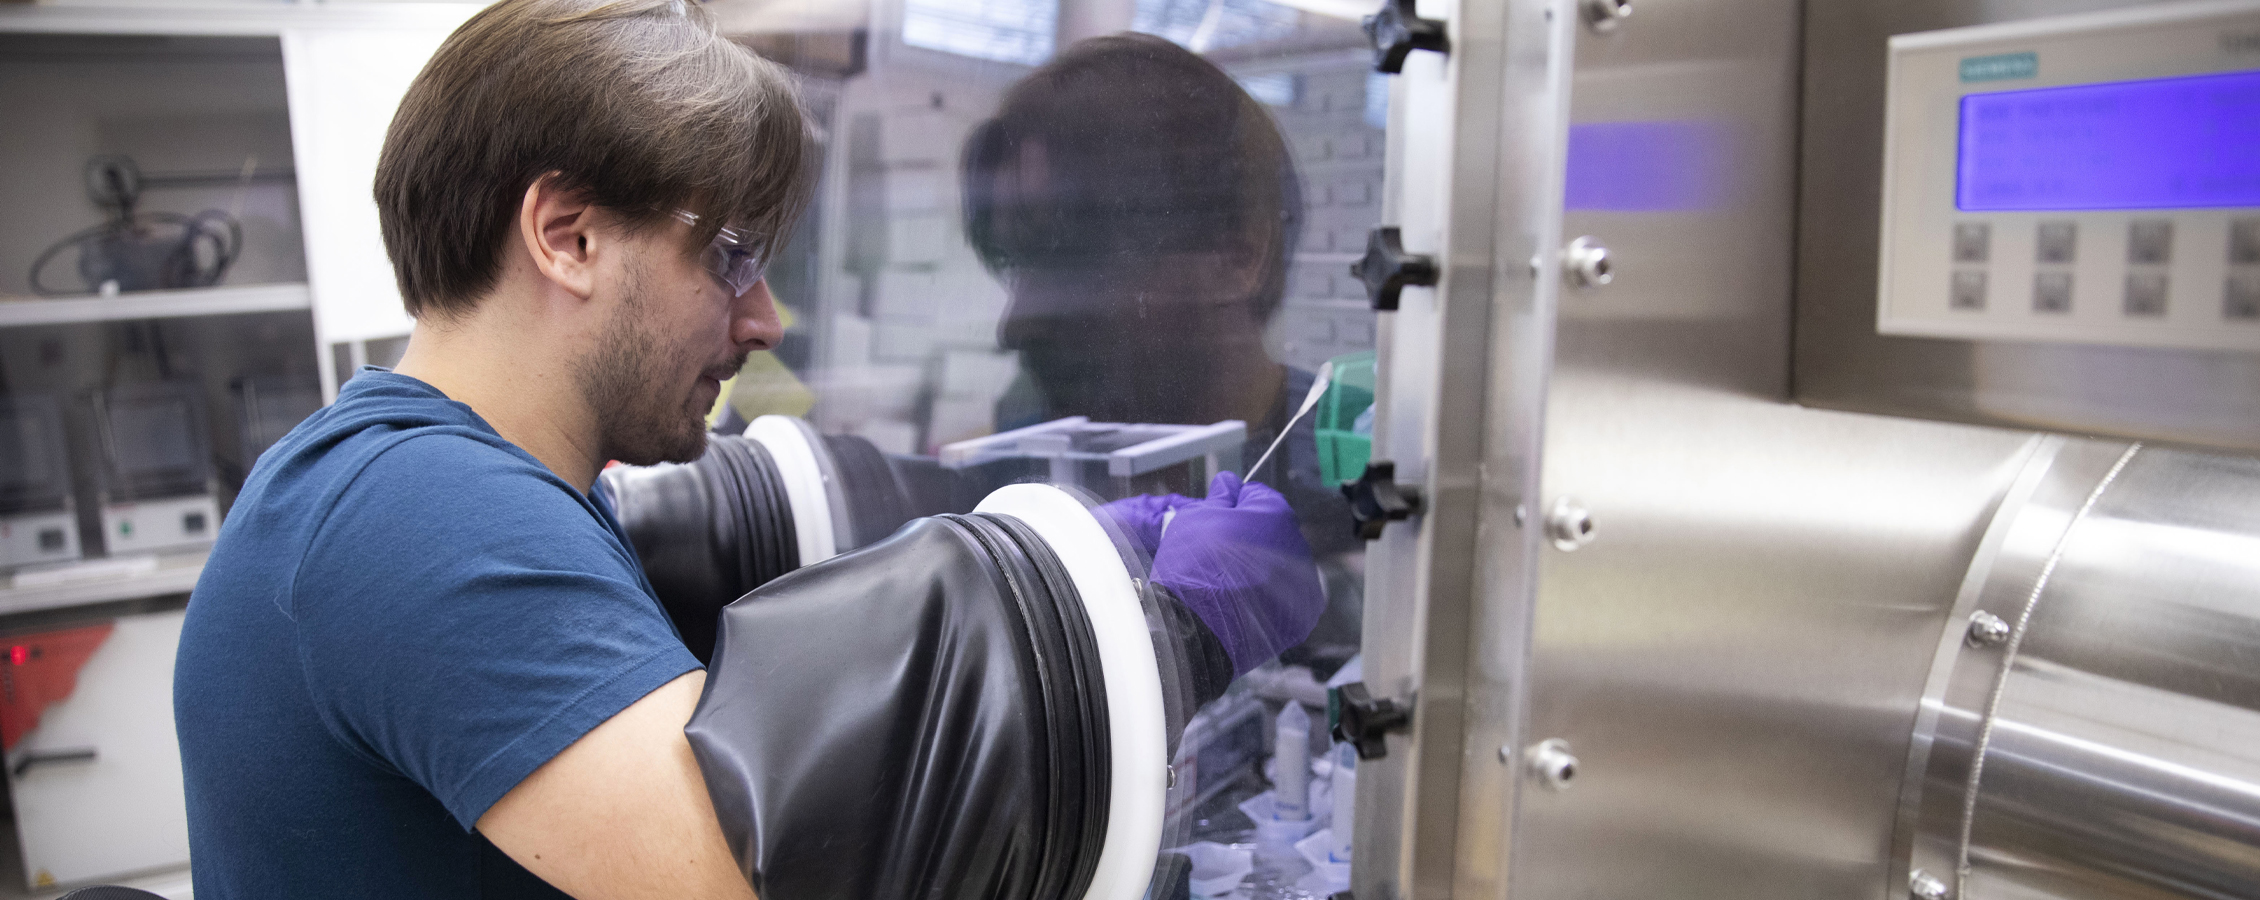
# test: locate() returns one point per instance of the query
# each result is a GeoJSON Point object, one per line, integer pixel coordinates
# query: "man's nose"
{"type": "Point", "coordinates": [754, 325]}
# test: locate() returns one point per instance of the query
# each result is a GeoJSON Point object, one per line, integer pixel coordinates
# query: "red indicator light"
{"type": "Point", "coordinates": [18, 655]}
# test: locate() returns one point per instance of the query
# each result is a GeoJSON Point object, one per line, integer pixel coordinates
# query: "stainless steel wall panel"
{"type": "Point", "coordinates": [1737, 656]}
{"type": "Point", "coordinates": [1682, 139]}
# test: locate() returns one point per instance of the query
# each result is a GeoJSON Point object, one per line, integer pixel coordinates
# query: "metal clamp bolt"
{"type": "Point", "coordinates": [1552, 764]}
{"type": "Point", "coordinates": [1986, 630]}
{"type": "Point", "coordinates": [1569, 524]}
{"type": "Point", "coordinates": [1396, 31]}
{"type": "Point", "coordinates": [1356, 717]}
{"type": "Point", "coordinates": [1386, 269]}
{"type": "Point", "coordinates": [1588, 263]}
{"type": "Point", "coordinates": [1376, 499]}
{"type": "Point", "coordinates": [1926, 886]}
{"type": "Point", "coordinates": [1605, 15]}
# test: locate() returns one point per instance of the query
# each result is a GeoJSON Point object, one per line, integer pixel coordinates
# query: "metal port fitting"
{"type": "Point", "coordinates": [1587, 262]}
{"type": "Point", "coordinates": [1552, 764]}
{"type": "Point", "coordinates": [1569, 524]}
{"type": "Point", "coordinates": [1986, 630]}
{"type": "Point", "coordinates": [1605, 15]}
{"type": "Point", "coordinates": [1925, 886]}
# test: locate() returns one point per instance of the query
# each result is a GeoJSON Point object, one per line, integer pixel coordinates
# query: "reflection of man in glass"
{"type": "Point", "coordinates": [1141, 210]}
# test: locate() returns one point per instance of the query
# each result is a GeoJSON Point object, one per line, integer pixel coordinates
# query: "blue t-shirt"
{"type": "Point", "coordinates": [404, 616]}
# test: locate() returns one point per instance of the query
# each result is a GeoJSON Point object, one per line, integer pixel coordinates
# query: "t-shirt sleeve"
{"type": "Point", "coordinates": [463, 616]}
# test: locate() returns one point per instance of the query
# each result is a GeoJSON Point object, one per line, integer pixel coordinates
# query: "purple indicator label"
{"type": "Point", "coordinates": [1664, 166]}
{"type": "Point", "coordinates": [2165, 143]}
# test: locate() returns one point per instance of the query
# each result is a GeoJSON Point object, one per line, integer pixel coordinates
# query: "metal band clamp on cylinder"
{"type": "Point", "coordinates": [2108, 744]}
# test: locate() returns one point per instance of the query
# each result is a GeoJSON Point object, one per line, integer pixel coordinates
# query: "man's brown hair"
{"type": "Point", "coordinates": [637, 105]}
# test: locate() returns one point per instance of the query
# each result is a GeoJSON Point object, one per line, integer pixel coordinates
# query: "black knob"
{"type": "Point", "coordinates": [1376, 499]}
{"type": "Point", "coordinates": [1361, 720]}
{"type": "Point", "coordinates": [1386, 268]}
{"type": "Point", "coordinates": [1396, 31]}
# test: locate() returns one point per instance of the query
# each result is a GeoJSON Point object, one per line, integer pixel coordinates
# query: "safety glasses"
{"type": "Point", "coordinates": [731, 258]}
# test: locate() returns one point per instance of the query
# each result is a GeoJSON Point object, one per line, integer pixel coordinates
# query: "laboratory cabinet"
{"type": "Point", "coordinates": [189, 265]}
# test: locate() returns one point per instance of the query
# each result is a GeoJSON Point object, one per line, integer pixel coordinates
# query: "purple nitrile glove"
{"type": "Point", "coordinates": [1239, 562]}
{"type": "Point", "coordinates": [1142, 516]}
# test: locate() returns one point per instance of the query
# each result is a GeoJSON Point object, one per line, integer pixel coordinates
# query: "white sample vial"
{"type": "Point", "coordinates": [1290, 787]}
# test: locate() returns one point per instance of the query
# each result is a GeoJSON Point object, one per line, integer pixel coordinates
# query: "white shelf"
{"type": "Point", "coordinates": [104, 581]}
{"type": "Point", "coordinates": [215, 301]}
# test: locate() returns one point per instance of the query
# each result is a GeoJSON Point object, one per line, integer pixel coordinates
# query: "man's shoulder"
{"type": "Point", "coordinates": [458, 490]}
{"type": "Point", "coordinates": [453, 458]}
{"type": "Point", "coordinates": [392, 440]}
{"type": "Point", "coordinates": [375, 484]}
{"type": "Point", "coordinates": [377, 466]}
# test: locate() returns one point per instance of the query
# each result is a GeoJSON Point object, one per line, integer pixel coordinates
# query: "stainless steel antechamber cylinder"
{"type": "Point", "coordinates": [2091, 726]}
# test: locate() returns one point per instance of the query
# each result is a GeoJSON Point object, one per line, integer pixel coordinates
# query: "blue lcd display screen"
{"type": "Point", "coordinates": [2165, 143]}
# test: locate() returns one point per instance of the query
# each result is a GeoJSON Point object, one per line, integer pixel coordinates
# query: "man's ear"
{"type": "Point", "coordinates": [556, 228]}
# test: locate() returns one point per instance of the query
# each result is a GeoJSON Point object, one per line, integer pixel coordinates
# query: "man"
{"type": "Point", "coordinates": [422, 660]}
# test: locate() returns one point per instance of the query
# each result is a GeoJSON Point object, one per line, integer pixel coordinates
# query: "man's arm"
{"type": "Point", "coordinates": [622, 813]}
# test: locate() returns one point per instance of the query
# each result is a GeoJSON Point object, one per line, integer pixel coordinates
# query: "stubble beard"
{"type": "Point", "coordinates": [626, 382]}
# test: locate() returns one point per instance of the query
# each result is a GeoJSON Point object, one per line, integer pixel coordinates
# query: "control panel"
{"type": "Point", "coordinates": [2092, 178]}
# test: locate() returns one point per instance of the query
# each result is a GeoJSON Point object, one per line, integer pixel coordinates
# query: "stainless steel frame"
{"type": "Point", "coordinates": [1473, 177]}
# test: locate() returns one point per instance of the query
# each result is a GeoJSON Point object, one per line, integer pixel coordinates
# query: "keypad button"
{"type": "Point", "coordinates": [2146, 294]}
{"type": "Point", "coordinates": [1968, 292]}
{"type": "Point", "coordinates": [2058, 242]}
{"type": "Point", "coordinates": [2052, 292]}
{"type": "Point", "coordinates": [2241, 301]}
{"type": "Point", "coordinates": [1973, 241]}
{"type": "Point", "coordinates": [2150, 241]}
{"type": "Point", "coordinates": [2244, 242]}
